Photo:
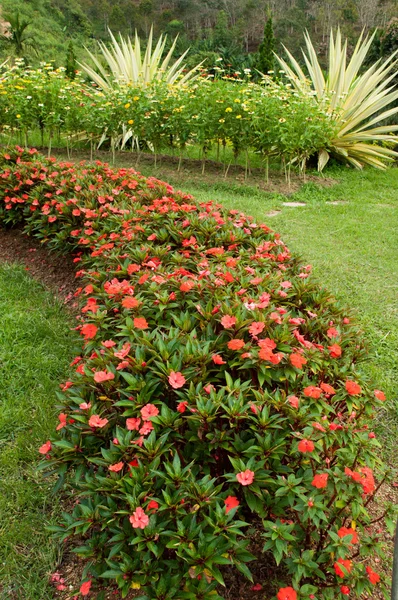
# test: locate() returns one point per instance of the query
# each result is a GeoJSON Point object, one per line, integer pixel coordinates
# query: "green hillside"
{"type": "Point", "coordinates": [53, 24]}
{"type": "Point", "coordinates": [232, 29]}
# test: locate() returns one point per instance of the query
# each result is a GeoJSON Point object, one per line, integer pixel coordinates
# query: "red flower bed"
{"type": "Point", "coordinates": [216, 391]}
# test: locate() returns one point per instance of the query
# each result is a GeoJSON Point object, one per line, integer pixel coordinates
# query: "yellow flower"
{"type": "Point", "coordinates": [136, 98]}
{"type": "Point", "coordinates": [131, 122]}
{"type": "Point", "coordinates": [237, 100]}
{"type": "Point", "coordinates": [18, 116]}
{"type": "Point", "coordinates": [221, 120]}
{"type": "Point", "coordinates": [238, 116]}
{"type": "Point", "coordinates": [229, 109]}
{"type": "Point", "coordinates": [127, 105]}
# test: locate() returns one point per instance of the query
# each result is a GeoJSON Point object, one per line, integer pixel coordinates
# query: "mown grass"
{"type": "Point", "coordinates": [36, 345]}
{"type": "Point", "coordinates": [353, 247]}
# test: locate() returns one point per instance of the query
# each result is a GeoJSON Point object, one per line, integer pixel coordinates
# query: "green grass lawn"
{"type": "Point", "coordinates": [352, 245]}
{"type": "Point", "coordinates": [36, 345]}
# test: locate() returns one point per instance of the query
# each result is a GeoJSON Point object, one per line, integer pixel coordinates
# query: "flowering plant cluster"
{"type": "Point", "coordinates": [216, 395]}
{"type": "Point", "coordinates": [271, 119]}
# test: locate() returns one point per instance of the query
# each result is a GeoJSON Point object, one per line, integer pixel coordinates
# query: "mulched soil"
{"type": "Point", "coordinates": [56, 273]}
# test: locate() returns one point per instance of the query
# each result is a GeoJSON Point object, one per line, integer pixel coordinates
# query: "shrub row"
{"type": "Point", "coordinates": [270, 119]}
{"type": "Point", "coordinates": [216, 398]}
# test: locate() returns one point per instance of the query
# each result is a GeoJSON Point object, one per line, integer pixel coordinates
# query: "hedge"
{"type": "Point", "coordinates": [216, 399]}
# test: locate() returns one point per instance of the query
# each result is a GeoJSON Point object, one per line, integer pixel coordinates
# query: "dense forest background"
{"type": "Point", "coordinates": [230, 29]}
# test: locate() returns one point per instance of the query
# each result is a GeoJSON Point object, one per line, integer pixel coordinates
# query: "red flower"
{"type": "Point", "coordinates": [346, 564]}
{"type": "Point", "coordinates": [328, 389]}
{"type": "Point", "coordinates": [124, 351]}
{"type": "Point", "coordinates": [267, 343]}
{"type": "Point", "coordinates": [235, 344]}
{"type": "Point", "coordinates": [146, 428]}
{"type": "Point", "coordinates": [108, 343]}
{"type": "Point", "coordinates": [148, 411]}
{"type": "Point", "coordinates": [256, 328]}
{"type": "Point", "coordinates": [101, 376]}
{"type": "Point", "coordinates": [245, 477]}
{"type": "Point", "coordinates": [380, 395]}
{"type": "Point", "coordinates": [320, 480]}
{"type": "Point", "coordinates": [62, 421]}
{"type": "Point", "coordinates": [186, 286]}
{"type": "Point", "coordinates": [372, 576]}
{"type": "Point", "coordinates": [230, 503]}
{"type": "Point", "coordinates": [217, 359]}
{"type": "Point", "coordinates": [345, 590]}
{"type": "Point", "coordinates": [133, 424]}
{"type": "Point", "coordinates": [140, 323]}
{"type": "Point", "coordinates": [343, 531]}
{"type": "Point", "coordinates": [353, 388]}
{"type": "Point", "coordinates": [306, 446]}
{"type": "Point", "coordinates": [89, 331]}
{"type": "Point", "coordinates": [227, 322]}
{"type": "Point", "coordinates": [318, 426]}
{"type": "Point", "coordinates": [209, 388]}
{"type": "Point", "coordinates": [353, 474]}
{"type": "Point", "coordinates": [335, 350]}
{"type": "Point", "coordinates": [286, 593]}
{"type": "Point", "coordinates": [45, 448]}
{"type": "Point", "coordinates": [257, 587]}
{"type": "Point", "coordinates": [332, 332]}
{"type": "Point", "coordinates": [297, 360]}
{"type": "Point", "coordinates": [85, 588]}
{"type": "Point", "coordinates": [312, 391]}
{"type": "Point", "coordinates": [130, 302]}
{"type": "Point", "coordinates": [293, 401]}
{"type": "Point", "coordinates": [367, 481]}
{"type": "Point", "coordinates": [176, 380]}
{"type": "Point", "coordinates": [153, 506]}
{"type": "Point", "coordinates": [276, 317]}
{"type": "Point", "coordinates": [96, 421]}
{"type": "Point", "coordinates": [139, 520]}
{"type": "Point", "coordinates": [182, 406]}
{"type": "Point", "coordinates": [116, 467]}
{"type": "Point", "coordinates": [68, 384]}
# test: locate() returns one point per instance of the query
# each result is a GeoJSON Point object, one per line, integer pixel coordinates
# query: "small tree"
{"type": "Point", "coordinates": [17, 37]}
{"type": "Point", "coordinates": [265, 57]}
{"type": "Point", "coordinates": [70, 64]}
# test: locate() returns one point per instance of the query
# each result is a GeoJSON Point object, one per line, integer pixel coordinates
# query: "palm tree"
{"type": "Point", "coordinates": [17, 37]}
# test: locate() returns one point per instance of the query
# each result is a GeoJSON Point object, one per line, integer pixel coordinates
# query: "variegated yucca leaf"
{"type": "Point", "coordinates": [126, 65]}
{"type": "Point", "coordinates": [356, 99]}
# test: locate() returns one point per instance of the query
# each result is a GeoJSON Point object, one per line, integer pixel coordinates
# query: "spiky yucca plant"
{"type": "Point", "coordinates": [127, 66]}
{"type": "Point", "coordinates": [356, 100]}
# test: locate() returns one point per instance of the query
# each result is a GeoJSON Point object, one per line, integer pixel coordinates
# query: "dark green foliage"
{"type": "Point", "coordinates": [71, 64]}
{"type": "Point", "coordinates": [265, 57]}
{"type": "Point", "coordinates": [389, 41]}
